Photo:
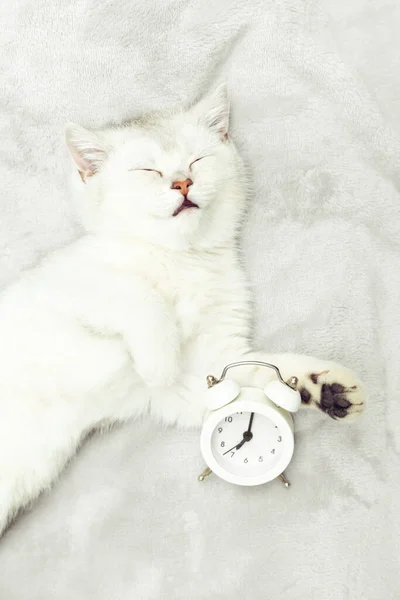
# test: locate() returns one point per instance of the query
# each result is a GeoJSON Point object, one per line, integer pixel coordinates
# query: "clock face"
{"type": "Point", "coordinates": [247, 444]}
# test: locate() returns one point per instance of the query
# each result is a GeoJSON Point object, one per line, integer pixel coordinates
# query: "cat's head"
{"type": "Point", "coordinates": [173, 178]}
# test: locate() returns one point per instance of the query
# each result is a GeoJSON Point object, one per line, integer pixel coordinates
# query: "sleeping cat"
{"type": "Point", "coordinates": [131, 318]}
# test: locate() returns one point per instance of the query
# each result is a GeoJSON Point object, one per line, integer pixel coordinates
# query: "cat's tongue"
{"type": "Point", "coordinates": [185, 204]}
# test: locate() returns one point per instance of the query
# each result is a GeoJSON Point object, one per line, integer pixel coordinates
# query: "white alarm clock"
{"type": "Point", "coordinates": [247, 435]}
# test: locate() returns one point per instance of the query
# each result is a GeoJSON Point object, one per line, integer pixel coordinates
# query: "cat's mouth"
{"type": "Point", "coordinates": [185, 205]}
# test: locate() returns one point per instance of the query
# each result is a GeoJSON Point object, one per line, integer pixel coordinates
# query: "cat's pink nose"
{"type": "Point", "coordinates": [182, 186]}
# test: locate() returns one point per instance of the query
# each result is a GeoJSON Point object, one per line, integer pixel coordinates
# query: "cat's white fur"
{"type": "Point", "coordinates": [131, 318]}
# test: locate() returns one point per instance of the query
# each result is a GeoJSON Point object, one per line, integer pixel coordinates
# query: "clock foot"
{"type": "Point", "coordinates": [285, 482]}
{"type": "Point", "coordinates": [204, 474]}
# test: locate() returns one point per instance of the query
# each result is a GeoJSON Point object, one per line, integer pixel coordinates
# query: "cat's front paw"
{"type": "Point", "coordinates": [159, 369]}
{"type": "Point", "coordinates": [335, 390]}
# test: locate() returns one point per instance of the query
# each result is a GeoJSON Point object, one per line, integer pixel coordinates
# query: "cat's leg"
{"type": "Point", "coordinates": [6, 507]}
{"type": "Point", "coordinates": [324, 385]}
{"type": "Point", "coordinates": [19, 489]}
{"type": "Point", "coordinates": [147, 324]}
{"type": "Point", "coordinates": [35, 446]}
{"type": "Point", "coordinates": [154, 345]}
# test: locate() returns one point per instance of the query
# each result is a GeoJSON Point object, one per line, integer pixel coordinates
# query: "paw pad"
{"type": "Point", "coordinates": [305, 396]}
{"type": "Point", "coordinates": [334, 401]}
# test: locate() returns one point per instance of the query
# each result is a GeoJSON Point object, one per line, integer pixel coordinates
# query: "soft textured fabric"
{"type": "Point", "coordinates": [315, 89]}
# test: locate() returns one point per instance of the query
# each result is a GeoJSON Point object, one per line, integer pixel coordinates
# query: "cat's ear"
{"type": "Point", "coordinates": [213, 110]}
{"type": "Point", "coordinates": [87, 151]}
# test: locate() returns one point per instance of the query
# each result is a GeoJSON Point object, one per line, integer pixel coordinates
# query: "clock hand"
{"type": "Point", "coordinates": [236, 447]}
{"type": "Point", "coordinates": [240, 444]}
{"type": "Point", "coordinates": [250, 424]}
{"type": "Point", "coordinates": [247, 436]}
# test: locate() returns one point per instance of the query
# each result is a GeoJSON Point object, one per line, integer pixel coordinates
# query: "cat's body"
{"type": "Point", "coordinates": [132, 317]}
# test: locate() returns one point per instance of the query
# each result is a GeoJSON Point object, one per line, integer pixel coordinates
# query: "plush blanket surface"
{"type": "Point", "coordinates": [315, 89]}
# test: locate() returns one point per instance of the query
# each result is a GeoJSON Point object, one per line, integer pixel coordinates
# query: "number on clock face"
{"type": "Point", "coordinates": [247, 443]}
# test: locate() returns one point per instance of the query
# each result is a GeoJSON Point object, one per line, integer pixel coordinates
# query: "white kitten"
{"type": "Point", "coordinates": [133, 316]}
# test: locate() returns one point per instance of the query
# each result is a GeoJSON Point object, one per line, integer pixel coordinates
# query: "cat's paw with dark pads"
{"type": "Point", "coordinates": [334, 400]}
{"type": "Point", "coordinates": [335, 390]}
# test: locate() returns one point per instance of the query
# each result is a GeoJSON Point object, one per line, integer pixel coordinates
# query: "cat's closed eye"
{"type": "Point", "coordinates": [160, 173]}
{"type": "Point", "coordinates": [151, 170]}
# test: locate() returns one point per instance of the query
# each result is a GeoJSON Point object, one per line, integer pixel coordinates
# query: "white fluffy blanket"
{"type": "Point", "coordinates": [315, 89]}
